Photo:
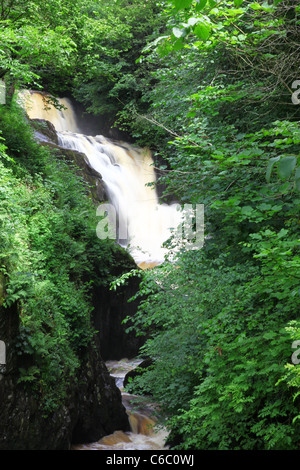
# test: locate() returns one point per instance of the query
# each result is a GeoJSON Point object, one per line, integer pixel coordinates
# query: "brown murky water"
{"type": "Point", "coordinates": [145, 434]}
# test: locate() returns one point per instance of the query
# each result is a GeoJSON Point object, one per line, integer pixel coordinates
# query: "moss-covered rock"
{"type": "Point", "coordinates": [91, 408]}
{"type": "Point", "coordinates": [1, 289]}
{"type": "Point", "coordinates": [46, 135]}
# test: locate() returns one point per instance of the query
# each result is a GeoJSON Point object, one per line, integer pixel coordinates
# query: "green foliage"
{"type": "Point", "coordinates": [34, 45]}
{"type": "Point", "coordinates": [221, 339]}
{"type": "Point", "coordinates": [22, 147]}
{"type": "Point", "coordinates": [112, 34]}
{"type": "Point", "coordinates": [50, 257]}
{"type": "Point", "coordinates": [221, 322]}
{"type": "Point", "coordinates": [88, 48]}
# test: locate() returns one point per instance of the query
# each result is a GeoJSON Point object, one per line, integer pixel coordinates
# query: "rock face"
{"type": "Point", "coordinates": [99, 410]}
{"type": "Point", "coordinates": [45, 133]}
{"type": "Point", "coordinates": [92, 409]}
{"type": "Point", "coordinates": [111, 308]}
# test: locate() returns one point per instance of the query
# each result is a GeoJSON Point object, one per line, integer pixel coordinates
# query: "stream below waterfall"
{"type": "Point", "coordinates": [136, 218]}
{"type": "Point", "coordinates": [143, 435]}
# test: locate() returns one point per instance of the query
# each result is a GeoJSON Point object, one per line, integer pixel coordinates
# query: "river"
{"type": "Point", "coordinates": [144, 434]}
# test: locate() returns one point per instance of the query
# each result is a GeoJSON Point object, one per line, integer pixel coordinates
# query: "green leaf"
{"type": "Point", "coordinates": [178, 33]}
{"type": "Point", "coordinates": [255, 6]}
{"type": "Point", "coordinates": [270, 166]}
{"type": "Point", "coordinates": [179, 44]}
{"type": "Point", "coordinates": [286, 166]}
{"type": "Point", "coordinates": [181, 4]}
{"type": "Point", "coordinates": [202, 30]}
{"type": "Point", "coordinates": [237, 2]}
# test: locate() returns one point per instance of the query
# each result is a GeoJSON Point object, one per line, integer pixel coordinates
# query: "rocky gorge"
{"type": "Point", "coordinates": [92, 407]}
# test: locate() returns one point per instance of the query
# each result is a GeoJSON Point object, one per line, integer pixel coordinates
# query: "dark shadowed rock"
{"type": "Point", "coordinates": [92, 408]}
{"type": "Point", "coordinates": [110, 310]}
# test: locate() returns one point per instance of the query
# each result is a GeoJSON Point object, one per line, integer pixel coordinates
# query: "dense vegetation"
{"type": "Point", "coordinates": [50, 258]}
{"type": "Point", "coordinates": [210, 86]}
{"type": "Point", "coordinates": [222, 325]}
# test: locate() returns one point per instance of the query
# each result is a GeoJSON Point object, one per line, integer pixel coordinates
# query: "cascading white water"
{"type": "Point", "coordinates": [126, 172]}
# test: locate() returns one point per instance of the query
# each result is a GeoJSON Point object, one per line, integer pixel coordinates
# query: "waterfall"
{"type": "Point", "coordinates": [126, 172]}
{"type": "Point", "coordinates": [144, 434]}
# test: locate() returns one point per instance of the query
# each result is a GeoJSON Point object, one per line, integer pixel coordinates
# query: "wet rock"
{"type": "Point", "coordinates": [95, 187]}
{"type": "Point", "coordinates": [44, 131]}
{"type": "Point", "coordinates": [91, 409]}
